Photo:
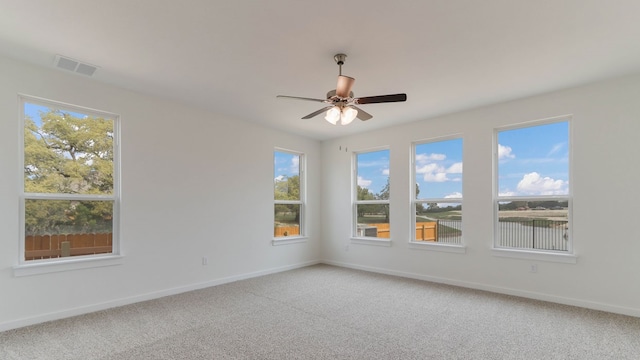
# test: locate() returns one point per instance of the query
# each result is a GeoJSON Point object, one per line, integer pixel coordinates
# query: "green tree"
{"type": "Point", "coordinates": [384, 195]}
{"type": "Point", "coordinates": [287, 188]}
{"type": "Point", "coordinates": [419, 206]}
{"type": "Point", "coordinates": [67, 154]}
{"type": "Point", "coordinates": [365, 194]}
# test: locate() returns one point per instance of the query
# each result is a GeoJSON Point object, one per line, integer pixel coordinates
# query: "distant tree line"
{"type": "Point", "coordinates": [434, 208]}
{"type": "Point", "coordinates": [548, 204]}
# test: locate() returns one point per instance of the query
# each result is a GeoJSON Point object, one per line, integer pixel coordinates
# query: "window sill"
{"type": "Point", "coordinates": [36, 267]}
{"type": "Point", "coordinates": [289, 240]}
{"type": "Point", "coordinates": [535, 255]}
{"type": "Point", "coordinates": [371, 241]}
{"type": "Point", "coordinates": [459, 249]}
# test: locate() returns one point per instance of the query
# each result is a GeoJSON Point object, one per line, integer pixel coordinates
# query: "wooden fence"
{"type": "Point", "coordinates": [281, 231]}
{"type": "Point", "coordinates": [425, 231]}
{"type": "Point", "coordinates": [383, 230]}
{"type": "Point", "coordinates": [61, 245]}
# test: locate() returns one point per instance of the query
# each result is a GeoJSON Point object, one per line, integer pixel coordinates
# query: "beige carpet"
{"type": "Point", "coordinates": [325, 312]}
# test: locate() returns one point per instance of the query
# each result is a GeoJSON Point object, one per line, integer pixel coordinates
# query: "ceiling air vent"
{"type": "Point", "coordinates": [76, 66]}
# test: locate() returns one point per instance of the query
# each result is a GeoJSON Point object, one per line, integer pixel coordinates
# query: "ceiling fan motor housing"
{"type": "Point", "coordinates": [339, 58]}
{"type": "Point", "coordinates": [332, 93]}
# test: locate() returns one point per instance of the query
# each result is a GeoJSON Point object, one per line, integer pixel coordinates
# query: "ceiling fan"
{"type": "Point", "coordinates": [342, 104]}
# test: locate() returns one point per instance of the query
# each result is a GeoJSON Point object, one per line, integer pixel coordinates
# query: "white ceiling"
{"type": "Point", "coordinates": [235, 56]}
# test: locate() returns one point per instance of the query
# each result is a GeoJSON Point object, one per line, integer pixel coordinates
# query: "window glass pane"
{"type": "Point", "coordinates": [67, 152]}
{"type": "Point", "coordinates": [286, 220]}
{"type": "Point", "coordinates": [534, 161]}
{"type": "Point", "coordinates": [59, 228]}
{"type": "Point", "coordinates": [439, 169]}
{"type": "Point", "coordinates": [533, 164]}
{"type": "Point", "coordinates": [540, 225]}
{"type": "Point", "coordinates": [373, 175]}
{"type": "Point", "coordinates": [288, 194]}
{"type": "Point", "coordinates": [373, 220]}
{"type": "Point", "coordinates": [68, 216]}
{"type": "Point", "coordinates": [439, 222]}
{"type": "Point", "coordinates": [286, 170]}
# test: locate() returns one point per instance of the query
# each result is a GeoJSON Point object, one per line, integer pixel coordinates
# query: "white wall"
{"type": "Point", "coordinates": [188, 177]}
{"type": "Point", "coordinates": [194, 184]}
{"type": "Point", "coordinates": [606, 126]}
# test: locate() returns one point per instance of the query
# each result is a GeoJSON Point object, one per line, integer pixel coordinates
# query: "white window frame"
{"type": "Point", "coordinates": [419, 245]}
{"type": "Point", "coordinates": [525, 253]}
{"type": "Point", "coordinates": [34, 267]}
{"type": "Point", "coordinates": [355, 239]}
{"type": "Point", "coordinates": [302, 163]}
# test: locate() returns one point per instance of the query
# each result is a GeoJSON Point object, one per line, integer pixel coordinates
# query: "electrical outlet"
{"type": "Point", "coordinates": [533, 268]}
{"type": "Point", "coordinates": [205, 261]}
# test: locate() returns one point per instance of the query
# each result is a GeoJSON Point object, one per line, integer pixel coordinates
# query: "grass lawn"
{"type": "Point", "coordinates": [442, 215]}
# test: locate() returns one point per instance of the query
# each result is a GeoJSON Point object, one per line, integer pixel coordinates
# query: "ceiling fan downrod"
{"type": "Point", "coordinates": [339, 58]}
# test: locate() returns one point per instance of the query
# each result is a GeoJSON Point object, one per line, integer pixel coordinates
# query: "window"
{"type": "Point", "coordinates": [437, 195]}
{"type": "Point", "coordinates": [371, 195]}
{"type": "Point", "coordinates": [288, 194]}
{"type": "Point", "coordinates": [532, 200]}
{"type": "Point", "coordinates": [70, 196]}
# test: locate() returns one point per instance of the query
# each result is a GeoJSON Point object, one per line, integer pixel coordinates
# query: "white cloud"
{"type": "Point", "coordinates": [385, 172]}
{"type": "Point", "coordinates": [504, 152]}
{"type": "Point", "coordinates": [280, 178]}
{"type": "Point", "coordinates": [534, 184]}
{"type": "Point", "coordinates": [433, 172]}
{"type": "Point", "coordinates": [455, 195]}
{"type": "Point", "coordinates": [507, 193]}
{"type": "Point", "coordinates": [423, 158]}
{"type": "Point", "coordinates": [428, 168]}
{"type": "Point", "coordinates": [455, 168]}
{"type": "Point", "coordinates": [363, 182]}
{"type": "Point", "coordinates": [295, 164]}
{"type": "Point", "coordinates": [436, 177]}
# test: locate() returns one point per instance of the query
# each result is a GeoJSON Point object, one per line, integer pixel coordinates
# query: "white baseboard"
{"type": "Point", "coordinates": [37, 319]}
{"type": "Point", "coordinates": [497, 289]}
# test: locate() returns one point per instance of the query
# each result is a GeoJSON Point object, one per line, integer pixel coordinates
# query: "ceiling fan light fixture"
{"type": "Point", "coordinates": [348, 114]}
{"type": "Point", "coordinates": [333, 115]}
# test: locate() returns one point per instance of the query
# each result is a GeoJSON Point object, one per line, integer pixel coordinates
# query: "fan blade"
{"type": "Point", "coordinates": [344, 86]}
{"type": "Point", "coordinates": [362, 115]}
{"type": "Point", "coordinates": [302, 98]}
{"type": "Point", "coordinates": [380, 99]}
{"type": "Point", "coordinates": [316, 113]}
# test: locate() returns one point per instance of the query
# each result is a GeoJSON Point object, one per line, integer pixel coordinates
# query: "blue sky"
{"type": "Point", "coordinates": [534, 160]}
{"type": "Point", "coordinates": [33, 111]}
{"type": "Point", "coordinates": [285, 165]}
{"type": "Point", "coordinates": [439, 169]}
{"type": "Point", "coordinates": [373, 170]}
